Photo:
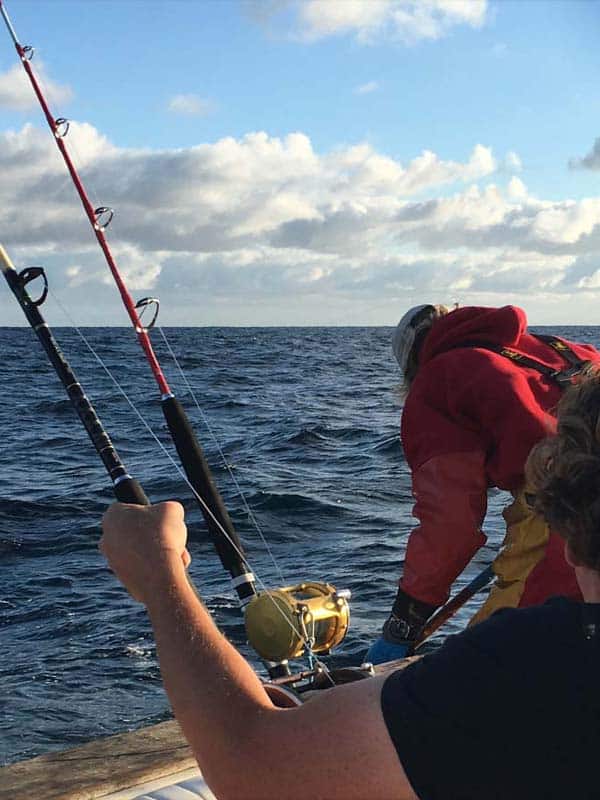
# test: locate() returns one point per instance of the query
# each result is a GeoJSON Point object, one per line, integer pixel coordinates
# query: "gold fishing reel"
{"type": "Point", "coordinates": [280, 623]}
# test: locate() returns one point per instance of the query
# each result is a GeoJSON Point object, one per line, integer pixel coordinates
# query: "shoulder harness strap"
{"type": "Point", "coordinates": [563, 377]}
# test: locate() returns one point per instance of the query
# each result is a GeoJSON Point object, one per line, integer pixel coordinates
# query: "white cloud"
{"type": "Point", "coordinates": [16, 93]}
{"type": "Point", "coordinates": [516, 189]}
{"type": "Point", "coordinates": [367, 88]}
{"type": "Point", "coordinates": [262, 216]}
{"type": "Point", "coordinates": [323, 18]}
{"type": "Point", "coordinates": [369, 20]}
{"type": "Point", "coordinates": [567, 222]}
{"type": "Point", "coordinates": [190, 104]}
{"type": "Point", "coordinates": [590, 161]}
{"type": "Point", "coordinates": [512, 162]}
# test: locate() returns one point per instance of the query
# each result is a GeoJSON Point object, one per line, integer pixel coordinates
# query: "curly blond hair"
{"type": "Point", "coordinates": [563, 471]}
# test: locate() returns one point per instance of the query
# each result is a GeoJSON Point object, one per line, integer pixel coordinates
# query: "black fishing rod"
{"type": "Point", "coordinates": [126, 488]}
{"type": "Point", "coordinates": [279, 624]}
{"type": "Point", "coordinates": [218, 521]}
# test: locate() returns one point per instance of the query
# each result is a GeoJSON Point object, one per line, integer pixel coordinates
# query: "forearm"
{"type": "Point", "coordinates": [451, 495]}
{"type": "Point", "coordinates": [215, 695]}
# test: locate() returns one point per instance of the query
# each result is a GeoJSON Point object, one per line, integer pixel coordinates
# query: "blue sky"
{"type": "Point", "coordinates": [310, 162]}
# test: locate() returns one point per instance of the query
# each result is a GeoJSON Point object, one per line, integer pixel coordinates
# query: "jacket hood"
{"type": "Point", "coordinates": [471, 325]}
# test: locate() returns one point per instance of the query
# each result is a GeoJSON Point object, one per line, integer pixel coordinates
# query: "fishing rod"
{"type": "Point", "coordinates": [293, 616]}
{"type": "Point", "coordinates": [216, 516]}
{"type": "Point", "coordinates": [282, 623]}
{"type": "Point", "coordinates": [445, 612]}
{"type": "Point", "coordinates": [126, 488]}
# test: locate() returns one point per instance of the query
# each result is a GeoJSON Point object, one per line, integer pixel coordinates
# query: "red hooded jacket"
{"type": "Point", "coordinates": [469, 421]}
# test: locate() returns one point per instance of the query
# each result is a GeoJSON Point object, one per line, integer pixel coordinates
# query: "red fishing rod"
{"type": "Point", "coordinates": [220, 526]}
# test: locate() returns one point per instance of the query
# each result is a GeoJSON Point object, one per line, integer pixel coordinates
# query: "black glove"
{"type": "Point", "coordinates": [400, 630]}
{"type": "Point", "coordinates": [407, 619]}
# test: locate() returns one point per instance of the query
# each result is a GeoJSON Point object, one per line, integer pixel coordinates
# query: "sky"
{"type": "Point", "coordinates": [307, 162]}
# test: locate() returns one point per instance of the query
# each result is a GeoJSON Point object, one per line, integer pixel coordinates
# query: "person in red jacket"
{"type": "Point", "coordinates": [480, 393]}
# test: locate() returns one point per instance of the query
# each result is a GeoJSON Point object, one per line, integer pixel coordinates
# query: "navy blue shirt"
{"type": "Point", "coordinates": [507, 710]}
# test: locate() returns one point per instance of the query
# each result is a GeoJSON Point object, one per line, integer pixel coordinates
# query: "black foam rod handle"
{"type": "Point", "coordinates": [198, 473]}
{"type": "Point", "coordinates": [130, 491]}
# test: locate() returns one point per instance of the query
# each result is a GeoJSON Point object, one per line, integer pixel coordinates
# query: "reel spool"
{"type": "Point", "coordinates": [280, 621]}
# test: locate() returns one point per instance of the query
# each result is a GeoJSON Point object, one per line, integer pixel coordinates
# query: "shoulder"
{"type": "Point", "coordinates": [448, 404]}
{"type": "Point", "coordinates": [451, 374]}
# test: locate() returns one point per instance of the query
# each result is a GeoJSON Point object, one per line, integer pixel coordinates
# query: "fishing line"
{"type": "Point", "coordinates": [222, 454]}
{"type": "Point", "coordinates": [188, 448]}
{"type": "Point", "coordinates": [197, 472]}
{"type": "Point", "coordinates": [177, 466]}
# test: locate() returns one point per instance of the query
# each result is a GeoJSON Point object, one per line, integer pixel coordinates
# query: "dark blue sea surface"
{"type": "Point", "coordinates": [307, 420]}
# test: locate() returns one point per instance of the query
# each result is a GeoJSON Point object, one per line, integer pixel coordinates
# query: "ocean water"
{"type": "Point", "coordinates": [307, 421]}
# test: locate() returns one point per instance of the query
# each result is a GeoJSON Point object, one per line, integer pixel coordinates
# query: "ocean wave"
{"type": "Point", "coordinates": [391, 445]}
{"type": "Point", "coordinates": [295, 503]}
{"type": "Point", "coordinates": [314, 435]}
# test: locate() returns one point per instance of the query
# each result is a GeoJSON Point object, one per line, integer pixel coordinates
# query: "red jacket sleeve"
{"type": "Point", "coordinates": [451, 501]}
{"type": "Point", "coordinates": [446, 451]}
